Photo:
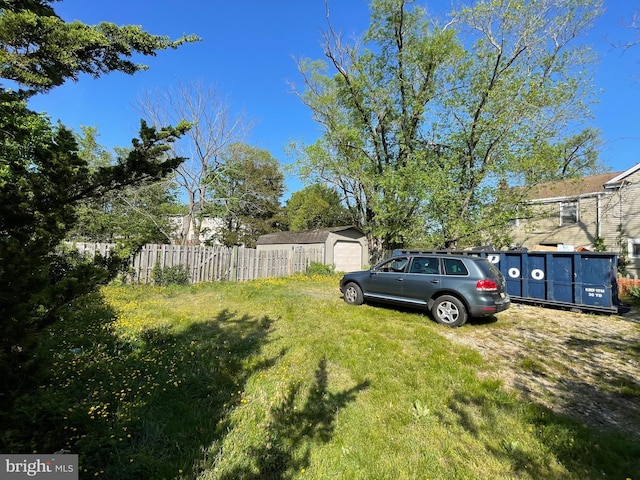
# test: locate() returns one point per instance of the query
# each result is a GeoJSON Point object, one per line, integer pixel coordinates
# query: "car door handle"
{"type": "Point", "coordinates": [399, 279]}
{"type": "Point", "coordinates": [435, 281]}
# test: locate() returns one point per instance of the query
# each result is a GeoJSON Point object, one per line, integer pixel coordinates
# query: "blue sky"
{"type": "Point", "coordinates": [248, 52]}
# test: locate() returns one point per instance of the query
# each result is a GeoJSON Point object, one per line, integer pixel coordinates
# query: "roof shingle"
{"type": "Point", "coordinates": [303, 237]}
{"type": "Point", "coordinates": [572, 187]}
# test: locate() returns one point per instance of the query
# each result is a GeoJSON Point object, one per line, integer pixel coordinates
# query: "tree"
{"type": "Point", "coordinates": [424, 121]}
{"type": "Point", "coordinates": [521, 89]}
{"type": "Point", "coordinates": [215, 129]}
{"type": "Point", "coordinates": [42, 177]}
{"type": "Point", "coordinates": [316, 206]}
{"type": "Point", "coordinates": [246, 189]}
{"type": "Point", "coordinates": [634, 25]}
{"type": "Point", "coordinates": [372, 111]}
{"type": "Point", "coordinates": [41, 51]}
{"type": "Point", "coordinates": [134, 215]}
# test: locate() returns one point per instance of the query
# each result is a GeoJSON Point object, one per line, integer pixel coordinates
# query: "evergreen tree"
{"type": "Point", "coordinates": [42, 176]}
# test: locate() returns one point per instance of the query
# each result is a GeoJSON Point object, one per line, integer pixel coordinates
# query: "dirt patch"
{"type": "Point", "coordinates": [584, 366]}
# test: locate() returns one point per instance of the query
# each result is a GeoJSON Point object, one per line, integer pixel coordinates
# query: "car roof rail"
{"type": "Point", "coordinates": [401, 251]}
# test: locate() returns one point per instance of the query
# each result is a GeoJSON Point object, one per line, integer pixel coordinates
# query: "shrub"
{"type": "Point", "coordinates": [634, 292]}
{"type": "Point", "coordinates": [317, 268]}
{"type": "Point", "coordinates": [599, 245]}
{"type": "Point", "coordinates": [175, 275]}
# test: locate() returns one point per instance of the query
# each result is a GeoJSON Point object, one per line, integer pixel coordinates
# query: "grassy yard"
{"type": "Point", "coordinates": [280, 379]}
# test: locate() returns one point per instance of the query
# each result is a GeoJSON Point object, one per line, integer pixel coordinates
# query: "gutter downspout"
{"type": "Point", "coordinates": [598, 216]}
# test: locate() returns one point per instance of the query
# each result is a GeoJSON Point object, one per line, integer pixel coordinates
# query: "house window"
{"type": "Point", "coordinates": [634, 248]}
{"type": "Point", "coordinates": [568, 213]}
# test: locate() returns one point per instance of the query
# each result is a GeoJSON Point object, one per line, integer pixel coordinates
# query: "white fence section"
{"type": "Point", "coordinates": [208, 264]}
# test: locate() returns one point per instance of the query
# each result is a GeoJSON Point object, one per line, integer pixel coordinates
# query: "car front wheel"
{"type": "Point", "coordinates": [353, 294]}
{"type": "Point", "coordinates": [449, 311]}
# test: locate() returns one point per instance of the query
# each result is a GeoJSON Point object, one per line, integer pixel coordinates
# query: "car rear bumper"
{"type": "Point", "coordinates": [490, 306]}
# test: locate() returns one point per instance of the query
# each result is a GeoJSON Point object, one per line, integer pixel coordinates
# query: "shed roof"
{"type": "Point", "coordinates": [306, 236]}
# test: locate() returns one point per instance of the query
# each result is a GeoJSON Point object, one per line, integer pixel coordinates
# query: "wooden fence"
{"type": "Point", "coordinates": [208, 264]}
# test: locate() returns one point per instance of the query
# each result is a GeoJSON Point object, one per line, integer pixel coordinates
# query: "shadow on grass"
{"type": "Point", "coordinates": [427, 316]}
{"type": "Point", "coordinates": [292, 430]}
{"type": "Point", "coordinates": [143, 408]}
{"type": "Point", "coordinates": [583, 452]}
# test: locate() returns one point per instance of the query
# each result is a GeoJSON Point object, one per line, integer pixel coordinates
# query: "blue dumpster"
{"type": "Point", "coordinates": [582, 280]}
{"type": "Point", "coordinates": [577, 280]}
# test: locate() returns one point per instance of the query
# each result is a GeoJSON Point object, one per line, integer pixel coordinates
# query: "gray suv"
{"type": "Point", "coordinates": [451, 287]}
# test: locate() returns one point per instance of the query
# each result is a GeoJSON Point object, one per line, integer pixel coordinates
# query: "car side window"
{"type": "Point", "coordinates": [425, 265]}
{"type": "Point", "coordinates": [394, 265]}
{"type": "Point", "coordinates": [417, 265]}
{"type": "Point", "coordinates": [455, 266]}
{"type": "Point", "coordinates": [431, 266]}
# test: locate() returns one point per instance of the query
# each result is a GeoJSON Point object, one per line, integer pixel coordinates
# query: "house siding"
{"type": "Point", "coordinates": [630, 218]}
{"type": "Point", "coordinates": [611, 213]}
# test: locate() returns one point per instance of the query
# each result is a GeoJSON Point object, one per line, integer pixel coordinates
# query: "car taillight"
{"type": "Point", "coordinates": [486, 286]}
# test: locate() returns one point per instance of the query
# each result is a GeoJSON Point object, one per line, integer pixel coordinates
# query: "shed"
{"type": "Point", "coordinates": [345, 247]}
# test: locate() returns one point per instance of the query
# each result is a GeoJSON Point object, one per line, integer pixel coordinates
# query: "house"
{"type": "Point", "coordinates": [209, 227]}
{"type": "Point", "coordinates": [344, 247]}
{"type": "Point", "coordinates": [585, 212]}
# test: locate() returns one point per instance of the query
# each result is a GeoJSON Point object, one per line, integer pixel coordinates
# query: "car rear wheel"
{"type": "Point", "coordinates": [449, 311]}
{"type": "Point", "coordinates": [353, 294]}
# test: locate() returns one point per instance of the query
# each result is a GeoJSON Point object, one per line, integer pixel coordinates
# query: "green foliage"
{"type": "Point", "coordinates": [42, 51]}
{"type": "Point", "coordinates": [623, 258]}
{"type": "Point", "coordinates": [316, 206]}
{"type": "Point", "coordinates": [43, 178]}
{"type": "Point", "coordinates": [373, 111]}
{"type": "Point", "coordinates": [246, 189]}
{"type": "Point", "coordinates": [634, 292]}
{"type": "Point", "coordinates": [599, 245]}
{"type": "Point", "coordinates": [318, 268]}
{"type": "Point", "coordinates": [134, 215]}
{"type": "Point", "coordinates": [174, 275]}
{"type": "Point", "coordinates": [576, 156]}
{"type": "Point", "coordinates": [426, 127]}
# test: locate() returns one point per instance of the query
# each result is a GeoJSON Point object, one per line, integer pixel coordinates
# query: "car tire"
{"type": "Point", "coordinates": [449, 311]}
{"type": "Point", "coordinates": [353, 294]}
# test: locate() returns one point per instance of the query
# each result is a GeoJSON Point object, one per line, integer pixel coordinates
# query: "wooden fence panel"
{"type": "Point", "coordinates": [208, 264]}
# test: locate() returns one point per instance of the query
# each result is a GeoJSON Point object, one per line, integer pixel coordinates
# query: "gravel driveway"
{"type": "Point", "coordinates": [586, 366]}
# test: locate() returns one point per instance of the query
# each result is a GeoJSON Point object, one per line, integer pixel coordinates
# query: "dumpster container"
{"type": "Point", "coordinates": [577, 280]}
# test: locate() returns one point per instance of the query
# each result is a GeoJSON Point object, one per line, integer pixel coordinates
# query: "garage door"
{"type": "Point", "coordinates": [347, 256]}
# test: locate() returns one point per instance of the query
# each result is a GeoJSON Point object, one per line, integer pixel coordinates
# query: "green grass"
{"type": "Point", "coordinates": [280, 379]}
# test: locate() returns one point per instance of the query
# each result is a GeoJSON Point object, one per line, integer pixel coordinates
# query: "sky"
{"type": "Point", "coordinates": [249, 50]}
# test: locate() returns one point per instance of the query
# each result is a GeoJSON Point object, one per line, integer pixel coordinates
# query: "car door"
{"type": "Point", "coordinates": [423, 279]}
{"type": "Point", "coordinates": [386, 279]}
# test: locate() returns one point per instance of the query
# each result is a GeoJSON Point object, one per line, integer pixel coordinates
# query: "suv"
{"type": "Point", "coordinates": [452, 287]}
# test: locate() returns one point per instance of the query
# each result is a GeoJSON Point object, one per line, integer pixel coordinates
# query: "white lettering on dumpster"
{"type": "Point", "coordinates": [594, 292]}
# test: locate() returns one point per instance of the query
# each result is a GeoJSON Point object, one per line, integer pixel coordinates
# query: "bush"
{"type": "Point", "coordinates": [317, 268]}
{"type": "Point", "coordinates": [175, 275]}
{"type": "Point", "coordinates": [634, 292]}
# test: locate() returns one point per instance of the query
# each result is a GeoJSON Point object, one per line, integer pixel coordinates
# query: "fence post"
{"type": "Point", "coordinates": [234, 264]}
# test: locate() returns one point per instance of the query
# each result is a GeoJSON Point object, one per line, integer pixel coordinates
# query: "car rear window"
{"type": "Point", "coordinates": [454, 266]}
{"type": "Point", "coordinates": [488, 269]}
